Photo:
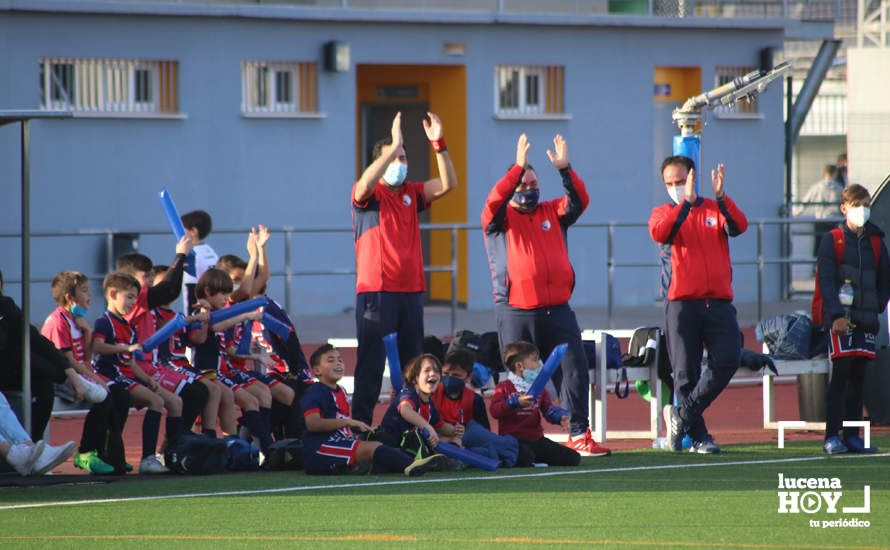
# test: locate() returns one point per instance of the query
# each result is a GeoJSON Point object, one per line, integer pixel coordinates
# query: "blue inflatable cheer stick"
{"type": "Point", "coordinates": [172, 214]}
{"type": "Point", "coordinates": [246, 339]}
{"type": "Point", "coordinates": [221, 315]}
{"type": "Point", "coordinates": [164, 333]}
{"type": "Point", "coordinates": [275, 326]}
{"type": "Point", "coordinates": [390, 341]}
{"type": "Point", "coordinates": [465, 456]}
{"type": "Point", "coordinates": [547, 371]}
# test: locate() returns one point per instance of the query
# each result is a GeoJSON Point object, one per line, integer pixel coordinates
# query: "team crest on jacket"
{"type": "Point", "coordinates": [545, 225]}
{"type": "Point", "coordinates": [406, 200]}
{"type": "Point", "coordinates": [711, 221]}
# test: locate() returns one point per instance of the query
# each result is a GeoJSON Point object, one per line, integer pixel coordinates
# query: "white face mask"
{"type": "Point", "coordinates": [395, 173]}
{"type": "Point", "coordinates": [677, 193]}
{"type": "Point", "coordinates": [858, 215]}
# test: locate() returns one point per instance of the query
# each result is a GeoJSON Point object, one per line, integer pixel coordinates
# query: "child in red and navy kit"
{"type": "Point", "coordinates": [520, 415]}
{"type": "Point", "coordinates": [457, 403]}
{"type": "Point", "coordinates": [114, 342]}
{"type": "Point", "coordinates": [101, 447]}
{"type": "Point", "coordinates": [329, 446]}
{"type": "Point", "coordinates": [281, 355]}
{"type": "Point", "coordinates": [413, 409]}
{"type": "Point", "coordinates": [212, 347]}
{"type": "Point", "coordinates": [151, 295]}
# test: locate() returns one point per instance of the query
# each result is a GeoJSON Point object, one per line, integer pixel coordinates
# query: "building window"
{"type": "Point", "coordinates": [725, 75]}
{"type": "Point", "coordinates": [523, 90]}
{"type": "Point", "coordinates": [109, 85]}
{"type": "Point", "coordinates": [269, 88]}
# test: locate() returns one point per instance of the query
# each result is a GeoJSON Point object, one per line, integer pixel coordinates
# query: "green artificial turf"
{"type": "Point", "coordinates": [604, 502]}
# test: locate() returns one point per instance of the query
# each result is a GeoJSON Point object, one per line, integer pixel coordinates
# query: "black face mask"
{"type": "Point", "coordinates": [454, 387]}
{"type": "Point", "coordinates": [528, 198]}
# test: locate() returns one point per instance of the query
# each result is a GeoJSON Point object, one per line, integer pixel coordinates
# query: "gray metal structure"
{"type": "Point", "coordinates": [24, 117]}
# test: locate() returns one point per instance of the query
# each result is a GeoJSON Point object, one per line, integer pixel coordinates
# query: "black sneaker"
{"type": "Point", "coordinates": [423, 465]}
{"type": "Point", "coordinates": [674, 426]}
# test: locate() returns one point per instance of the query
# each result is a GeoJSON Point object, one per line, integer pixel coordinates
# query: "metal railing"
{"type": "Point", "coordinates": [760, 260]}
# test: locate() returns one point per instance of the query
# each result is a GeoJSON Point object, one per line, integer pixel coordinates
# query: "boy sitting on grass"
{"type": "Point", "coordinates": [329, 446]}
{"type": "Point", "coordinates": [458, 404]}
{"type": "Point", "coordinates": [520, 415]}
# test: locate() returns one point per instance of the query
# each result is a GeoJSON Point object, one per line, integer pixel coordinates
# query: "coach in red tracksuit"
{"type": "Point", "coordinates": [532, 277]}
{"type": "Point", "coordinates": [699, 309]}
{"type": "Point", "coordinates": [388, 260]}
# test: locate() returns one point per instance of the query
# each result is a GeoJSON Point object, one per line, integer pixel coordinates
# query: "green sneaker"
{"type": "Point", "coordinates": [91, 462]}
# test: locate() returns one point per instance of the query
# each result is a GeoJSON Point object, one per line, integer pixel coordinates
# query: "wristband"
{"type": "Point", "coordinates": [439, 145]}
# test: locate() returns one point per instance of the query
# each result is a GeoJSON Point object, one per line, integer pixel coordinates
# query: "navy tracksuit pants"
{"type": "Point", "coordinates": [547, 328]}
{"type": "Point", "coordinates": [691, 325]}
{"type": "Point", "coordinates": [376, 315]}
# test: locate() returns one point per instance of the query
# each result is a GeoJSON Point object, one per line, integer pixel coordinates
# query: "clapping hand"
{"type": "Point", "coordinates": [522, 147]}
{"type": "Point", "coordinates": [717, 181]}
{"type": "Point", "coordinates": [559, 159]}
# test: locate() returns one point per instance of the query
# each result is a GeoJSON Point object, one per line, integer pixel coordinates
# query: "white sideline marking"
{"type": "Point", "coordinates": [788, 424]}
{"type": "Point", "coordinates": [866, 429]}
{"type": "Point", "coordinates": [436, 480]}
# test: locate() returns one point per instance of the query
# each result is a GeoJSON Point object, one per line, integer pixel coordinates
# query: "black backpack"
{"type": "Point", "coordinates": [643, 349]}
{"type": "Point", "coordinates": [197, 455]}
{"type": "Point", "coordinates": [484, 346]}
{"type": "Point", "coordinates": [285, 454]}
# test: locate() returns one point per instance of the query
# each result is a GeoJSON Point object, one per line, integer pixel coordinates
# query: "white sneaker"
{"type": "Point", "coordinates": [52, 457]}
{"type": "Point", "coordinates": [151, 465]}
{"type": "Point", "coordinates": [22, 456]}
{"type": "Point", "coordinates": [93, 392]}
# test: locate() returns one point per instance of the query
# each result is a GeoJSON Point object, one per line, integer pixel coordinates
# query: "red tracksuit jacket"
{"type": "Point", "coordinates": [698, 234]}
{"type": "Point", "coordinates": [527, 252]}
{"type": "Point", "coordinates": [523, 424]}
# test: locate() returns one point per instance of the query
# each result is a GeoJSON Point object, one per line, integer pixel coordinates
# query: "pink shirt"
{"type": "Point", "coordinates": [60, 329]}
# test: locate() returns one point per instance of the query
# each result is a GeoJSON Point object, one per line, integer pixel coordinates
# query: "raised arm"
{"type": "Point", "coordinates": [364, 187]}
{"type": "Point", "coordinates": [262, 261]}
{"type": "Point", "coordinates": [171, 285]}
{"type": "Point", "coordinates": [665, 221]}
{"type": "Point", "coordinates": [437, 187]}
{"type": "Point", "coordinates": [736, 222]}
{"type": "Point", "coordinates": [494, 214]}
{"type": "Point", "coordinates": [246, 288]}
{"type": "Point", "coordinates": [576, 198]}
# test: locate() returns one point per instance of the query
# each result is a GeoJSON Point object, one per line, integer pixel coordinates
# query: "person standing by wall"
{"type": "Point", "coordinates": [390, 281]}
{"type": "Point", "coordinates": [527, 247]}
{"type": "Point", "coordinates": [699, 310]}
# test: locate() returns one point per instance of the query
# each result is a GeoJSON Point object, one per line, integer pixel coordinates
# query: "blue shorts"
{"type": "Point", "coordinates": [330, 456]}
{"type": "Point", "coordinates": [264, 378]}
{"type": "Point", "coordinates": [123, 381]}
{"type": "Point", "coordinates": [235, 380]}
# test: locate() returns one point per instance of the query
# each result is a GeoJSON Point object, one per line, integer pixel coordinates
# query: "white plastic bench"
{"type": "Point", "coordinates": [604, 378]}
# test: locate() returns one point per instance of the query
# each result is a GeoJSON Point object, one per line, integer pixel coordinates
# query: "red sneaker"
{"type": "Point", "coordinates": [584, 444]}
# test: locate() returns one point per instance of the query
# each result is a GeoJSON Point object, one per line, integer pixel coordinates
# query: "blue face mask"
{"type": "Point", "coordinates": [529, 375]}
{"type": "Point", "coordinates": [453, 386]}
{"type": "Point", "coordinates": [395, 174]}
{"type": "Point", "coordinates": [528, 198]}
{"type": "Point", "coordinates": [78, 311]}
